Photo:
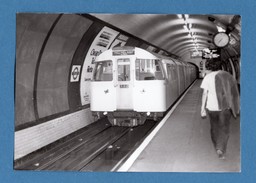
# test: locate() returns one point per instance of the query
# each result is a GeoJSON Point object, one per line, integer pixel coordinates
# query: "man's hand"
{"type": "Point", "coordinates": [203, 113]}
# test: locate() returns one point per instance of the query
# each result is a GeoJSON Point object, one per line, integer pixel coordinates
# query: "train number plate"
{"type": "Point", "coordinates": [124, 86]}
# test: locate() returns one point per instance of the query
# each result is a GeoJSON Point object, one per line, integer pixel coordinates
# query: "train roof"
{"type": "Point", "coordinates": [126, 50]}
{"type": "Point", "coordinates": [139, 52]}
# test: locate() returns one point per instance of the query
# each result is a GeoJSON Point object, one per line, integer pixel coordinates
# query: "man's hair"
{"type": "Point", "coordinates": [216, 67]}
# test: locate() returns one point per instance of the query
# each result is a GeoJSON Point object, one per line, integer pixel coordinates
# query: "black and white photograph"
{"type": "Point", "coordinates": [98, 92]}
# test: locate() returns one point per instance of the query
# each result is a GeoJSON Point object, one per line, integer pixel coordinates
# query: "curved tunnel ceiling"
{"type": "Point", "coordinates": [176, 34]}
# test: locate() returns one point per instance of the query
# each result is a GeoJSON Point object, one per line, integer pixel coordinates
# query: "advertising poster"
{"type": "Point", "coordinates": [119, 41]}
{"type": "Point", "coordinates": [101, 43]}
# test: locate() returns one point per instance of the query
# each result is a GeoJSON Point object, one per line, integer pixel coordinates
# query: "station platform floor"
{"type": "Point", "coordinates": [183, 143]}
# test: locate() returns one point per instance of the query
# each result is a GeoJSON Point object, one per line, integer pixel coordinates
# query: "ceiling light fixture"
{"type": "Point", "coordinates": [188, 26]}
{"type": "Point", "coordinates": [220, 29]}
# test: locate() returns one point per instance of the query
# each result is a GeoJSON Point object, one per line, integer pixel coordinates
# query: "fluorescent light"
{"type": "Point", "coordinates": [186, 27]}
{"type": "Point", "coordinates": [220, 29]}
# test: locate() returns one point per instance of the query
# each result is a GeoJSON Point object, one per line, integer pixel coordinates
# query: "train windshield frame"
{"type": "Point", "coordinates": [149, 69]}
{"type": "Point", "coordinates": [103, 71]}
{"type": "Point", "coordinates": [123, 65]}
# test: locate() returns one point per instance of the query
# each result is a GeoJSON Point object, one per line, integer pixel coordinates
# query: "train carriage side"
{"type": "Point", "coordinates": [185, 67]}
{"type": "Point", "coordinates": [181, 77]}
{"type": "Point", "coordinates": [192, 73]}
{"type": "Point", "coordinates": [189, 74]}
{"type": "Point", "coordinates": [172, 86]}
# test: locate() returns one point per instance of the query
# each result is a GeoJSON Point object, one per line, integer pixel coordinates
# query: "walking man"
{"type": "Point", "coordinates": [220, 100]}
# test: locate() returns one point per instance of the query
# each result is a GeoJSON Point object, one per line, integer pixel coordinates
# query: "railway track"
{"type": "Point", "coordinates": [98, 147]}
{"type": "Point", "coordinates": [114, 155]}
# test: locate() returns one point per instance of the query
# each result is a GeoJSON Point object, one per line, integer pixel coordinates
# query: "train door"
{"type": "Point", "coordinates": [149, 86]}
{"type": "Point", "coordinates": [103, 92]}
{"type": "Point", "coordinates": [124, 84]}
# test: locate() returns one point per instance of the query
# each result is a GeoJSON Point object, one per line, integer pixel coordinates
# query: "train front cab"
{"type": "Point", "coordinates": [122, 86]}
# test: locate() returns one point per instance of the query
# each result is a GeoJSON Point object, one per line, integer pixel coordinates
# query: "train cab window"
{"type": "Point", "coordinates": [103, 71]}
{"type": "Point", "coordinates": [123, 69]}
{"type": "Point", "coordinates": [148, 69]}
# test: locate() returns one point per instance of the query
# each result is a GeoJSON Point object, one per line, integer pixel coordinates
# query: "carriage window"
{"type": "Point", "coordinates": [123, 69]}
{"type": "Point", "coordinates": [148, 69]}
{"type": "Point", "coordinates": [103, 71]}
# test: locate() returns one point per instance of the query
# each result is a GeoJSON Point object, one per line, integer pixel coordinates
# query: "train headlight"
{"type": "Point", "coordinates": [148, 113]}
{"type": "Point", "coordinates": [105, 113]}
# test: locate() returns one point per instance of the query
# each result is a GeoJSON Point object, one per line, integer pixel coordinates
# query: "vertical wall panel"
{"type": "Point", "coordinates": [31, 32]}
{"type": "Point", "coordinates": [78, 60]}
{"type": "Point", "coordinates": [53, 76]}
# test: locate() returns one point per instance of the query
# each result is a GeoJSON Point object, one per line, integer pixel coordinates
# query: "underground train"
{"type": "Point", "coordinates": [131, 84]}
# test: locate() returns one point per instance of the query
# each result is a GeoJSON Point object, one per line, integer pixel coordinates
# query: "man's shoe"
{"type": "Point", "coordinates": [220, 154]}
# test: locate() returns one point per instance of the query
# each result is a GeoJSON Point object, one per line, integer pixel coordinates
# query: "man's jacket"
{"type": "Point", "coordinates": [227, 92]}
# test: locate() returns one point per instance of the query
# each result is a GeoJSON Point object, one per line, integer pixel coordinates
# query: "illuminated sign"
{"type": "Point", "coordinates": [123, 52]}
{"type": "Point", "coordinates": [210, 53]}
{"type": "Point", "coordinates": [196, 54]}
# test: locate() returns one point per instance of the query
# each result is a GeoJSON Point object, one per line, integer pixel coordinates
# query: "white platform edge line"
{"type": "Point", "coordinates": [129, 162]}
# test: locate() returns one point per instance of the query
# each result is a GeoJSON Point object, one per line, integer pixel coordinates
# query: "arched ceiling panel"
{"type": "Point", "coordinates": [182, 48]}
{"type": "Point", "coordinates": [174, 33]}
{"type": "Point", "coordinates": [174, 43]}
{"type": "Point", "coordinates": [198, 38]}
{"type": "Point", "coordinates": [183, 44]}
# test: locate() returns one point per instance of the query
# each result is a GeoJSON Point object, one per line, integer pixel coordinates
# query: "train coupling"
{"type": "Point", "coordinates": [126, 118]}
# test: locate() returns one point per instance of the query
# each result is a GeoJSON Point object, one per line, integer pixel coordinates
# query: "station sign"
{"type": "Point", "coordinates": [75, 73]}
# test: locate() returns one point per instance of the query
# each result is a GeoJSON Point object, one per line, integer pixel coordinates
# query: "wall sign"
{"type": "Point", "coordinates": [119, 41]}
{"type": "Point", "coordinates": [75, 73]}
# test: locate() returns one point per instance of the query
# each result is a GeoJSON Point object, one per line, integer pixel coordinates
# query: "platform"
{"type": "Point", "coordinates": [183, 143]}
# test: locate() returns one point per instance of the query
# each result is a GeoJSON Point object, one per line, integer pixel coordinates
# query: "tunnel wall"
{"type": "Point", "coordinates": [45, 47]}
{"type": "Point", "coordinates": [54, 63]}
{"type": "Point", "coordinates": [53, 73]}
{"type": "Point", "coordinates": [30, 35]}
